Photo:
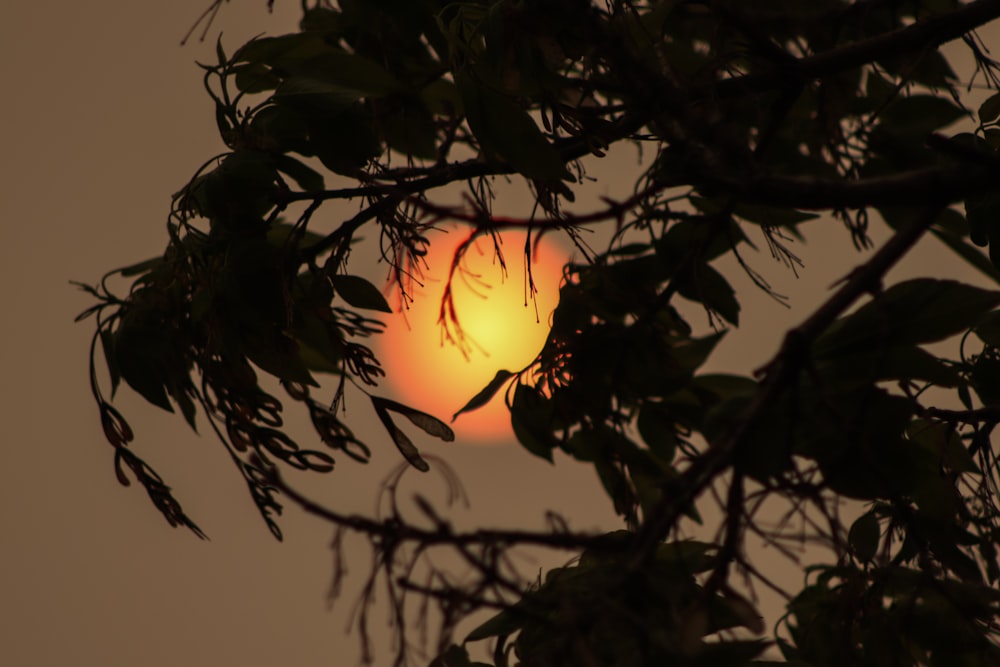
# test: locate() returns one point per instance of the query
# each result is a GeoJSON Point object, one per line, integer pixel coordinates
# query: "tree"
{"type": "Point", "coordinates": [756, 116]}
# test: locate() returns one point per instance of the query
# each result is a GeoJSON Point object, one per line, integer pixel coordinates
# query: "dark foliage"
{"type": "Point", "coordinates": [756, 117]}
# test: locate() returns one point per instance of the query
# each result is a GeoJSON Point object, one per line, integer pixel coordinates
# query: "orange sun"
{"type": "Point", "coordinates": [503, 329]}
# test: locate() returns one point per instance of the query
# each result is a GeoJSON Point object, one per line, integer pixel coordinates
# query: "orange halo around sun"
{"type": "Point", "coordinates": [498, 319]}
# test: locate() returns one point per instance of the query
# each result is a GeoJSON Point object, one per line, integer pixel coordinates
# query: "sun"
{"type": "Point", "coordinates": [503, 329]}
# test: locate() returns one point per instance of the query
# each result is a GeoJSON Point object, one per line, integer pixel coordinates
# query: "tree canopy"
{"type": "Point", "coordinates": [757, 120]}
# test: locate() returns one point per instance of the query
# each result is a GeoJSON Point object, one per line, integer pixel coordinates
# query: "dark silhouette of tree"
{"type": "Point", "coordinates": [756, 117]}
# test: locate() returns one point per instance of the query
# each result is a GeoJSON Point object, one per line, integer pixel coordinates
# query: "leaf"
{"type": "Point", "coordinates": [108, 347]}
{"type": "Point", "coordinates": [283, 51]}
{"type": "Point", "coordinates": [428, 423]}
{"type": "Point", "coordinates": [706, 286]}
{"type": "Point", "coordinates": [409, 127]}
{"type": "Point", "coordinates": [530, 417]}
{"type": "Point", "coordinates": [307, 177]}
{"type": "Point", "coordinates": [350, 71]}
{"type": "Point", "coordinates": [974, 257]}
{"type": "Point", "coordinates": [923, 310]}
{"type": "Point", "coordinates": [864, 536]}
{"type": "Point", "coordinates": [340, 130]}
{"type": "Point", "coordinates": [658, 430]}
{"type": "Point", "coordinates": [255, 78]}
{"type": "Point", "coordinates": [402, 442]}
{"type": "Point", "coordinates": [943, 443]}
{"type": "Point", "coordinates": [745, 613]}
{"type": "Point", "coordinates": [141, 351]}
{"type": "Point", "coordinates": [988, 329]}
{"type": "Point", "coordinates": [454, 656]}
{"type": "Point", "coordinates": [989, 110]}
{"type": "Point", "coordinates": [691, 556]}
{"type": "Point", "coordinates": [360, 293]}
{"type": "Point", "coordinates": [140, 268]}
{"type": "Point", "coordinates": [896, 362]}
{"type": "Point", "coordinates": [919, 114]}
{"type": "Point", "coordinates": [485, 394]}
{"type": "Point", "coordinates": [773, 216]}
{"type": "Point", "coordinates": [275, 353]}
{"type": "Point", "coordinates": [507, 622]}
{"type": "Point", "coordinates": [506, 131]}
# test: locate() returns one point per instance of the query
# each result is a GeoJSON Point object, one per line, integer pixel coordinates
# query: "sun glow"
{"type": "Point", "coordinates": [502, 327]}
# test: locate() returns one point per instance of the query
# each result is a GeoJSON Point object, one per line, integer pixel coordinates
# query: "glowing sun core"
{"type": "Point", "coordinates": [499, 322]}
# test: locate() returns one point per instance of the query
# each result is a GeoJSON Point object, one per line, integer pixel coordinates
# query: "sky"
{"type": "Point", "coordinates": [104, 117]}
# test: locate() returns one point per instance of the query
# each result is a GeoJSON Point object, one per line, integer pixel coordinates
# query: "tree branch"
{"type": "Point", "coordinates": [779, 372]}
{"type": "Point", "coordinates": [923, 35]}
{"type": "Point", "coordinates": [398, 532]}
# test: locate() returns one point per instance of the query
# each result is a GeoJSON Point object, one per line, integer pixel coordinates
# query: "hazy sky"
{"type": "Point", "coordinates": [103, 118]}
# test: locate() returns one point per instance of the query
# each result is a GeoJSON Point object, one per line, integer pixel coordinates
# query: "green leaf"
{"type": "Point", "coordinates": [360, 293]}
{"type": "Point", "coordinates": [400, 439]}
{"type": "Point", "coordinates": [864, 536]}
{"type": "Point", "coordinates": [428, 423]}
{"type": "Point", "coordinates": [486, 393]}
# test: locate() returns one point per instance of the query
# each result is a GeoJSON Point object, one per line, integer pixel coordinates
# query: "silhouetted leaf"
{"type": "Point", "coordinates": [924, 310]}
{"type": "Point", "coordinates": [141, 353]}
{"type": "Point", "coordinates": [428, 423]}
{"type": "Point", "coordinates": [400, 439]}
{"type": "Point", "coordinates": [140, 268]}
{"type": "Point", "coordinates": [360, 293]}
{"type": "Point", "coordinates": [530, 416]}
{"type": "Point", "coordinates": [919, 114]}
{"type": "Point", "coordinates": [486, 393]}
{"type": "Point", "coordinates": [307, 177]}
{"type": "Point", "coordinates": [989, 110]}
{"type": "Point", "coordinates": [506, 131]}
{"type": "Point", "coordinates": [864, 536]}
{"type": "Point", "coordinates": [707, 286]}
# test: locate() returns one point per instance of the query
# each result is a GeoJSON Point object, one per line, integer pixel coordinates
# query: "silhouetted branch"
{"type": "Point", "coordinates": [778, 374]}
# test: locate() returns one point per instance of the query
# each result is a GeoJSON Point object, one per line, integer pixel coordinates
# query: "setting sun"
{"type": "Point", "coordinates": [503, 329]}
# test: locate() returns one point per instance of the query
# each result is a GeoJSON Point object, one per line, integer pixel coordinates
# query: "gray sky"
{"type": "Point", "coordinates": [104, 117]}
